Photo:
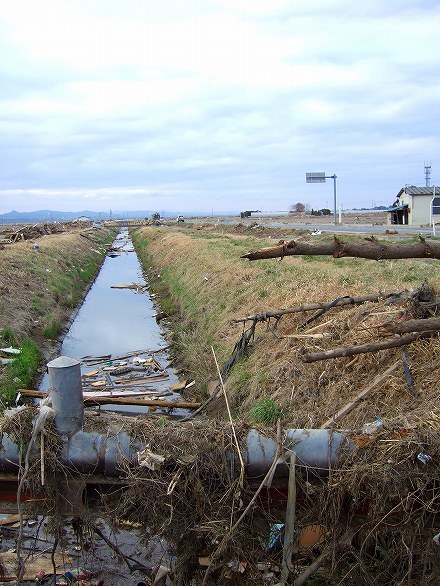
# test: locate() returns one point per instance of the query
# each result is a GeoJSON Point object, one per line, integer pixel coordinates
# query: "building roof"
{"type": "Point", "coordinates": [397, 208]}
{"type": "Point", "coordinates": [413, 190]}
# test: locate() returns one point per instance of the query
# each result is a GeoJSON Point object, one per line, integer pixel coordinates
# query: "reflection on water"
{"type": "Point", "coordinates": [117, 321]}
{"type": "Point", "coordinates": [114, 321]}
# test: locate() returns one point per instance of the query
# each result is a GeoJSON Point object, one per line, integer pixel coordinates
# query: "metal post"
{"type": "Point", "coordinates": [66, 393]}
{"type": "Point", "coordinates": [334, 198]}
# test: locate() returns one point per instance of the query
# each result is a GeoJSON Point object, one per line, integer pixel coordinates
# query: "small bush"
{"type": "Point", "coordinates": [265, 412]}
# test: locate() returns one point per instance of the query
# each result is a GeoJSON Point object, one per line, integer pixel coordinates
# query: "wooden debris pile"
{"type": "Point", "coordinates": [368, 365]}
{"type": "Point", "coordinates": [137, 378]}
{"type": "Point", "coordinates": [32, 232]}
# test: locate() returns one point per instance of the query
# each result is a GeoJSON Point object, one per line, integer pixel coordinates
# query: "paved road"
{"type": "Point", "coordinates": [325, 228]}
{"type": "Point", "coordinates": [349, 228]}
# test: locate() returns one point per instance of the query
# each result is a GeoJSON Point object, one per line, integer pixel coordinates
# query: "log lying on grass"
{"type": "Point", "coordinates": [347, 300]}
{"type": "Point", "coordinates": [371, 249]}
{"type": "Point", "coordinates": [414, 325]}
{"type": "Point", "coordinates": [364, 348]}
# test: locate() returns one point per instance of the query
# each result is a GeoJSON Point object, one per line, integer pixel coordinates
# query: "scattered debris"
{"type": "Point", "coordinates": [150, 460]}
{"type": "Point", "coordinates": [136, 287]}
{"type": "Point", "coordinates": [10, 350]}
{"type": "Point", "coordinates": [424, 458]}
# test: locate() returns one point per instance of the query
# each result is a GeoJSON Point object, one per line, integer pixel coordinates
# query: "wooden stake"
{"type": "Point", "coordinates": [289, 527]}
{"type": "Point", "coordinates": [362, 395]}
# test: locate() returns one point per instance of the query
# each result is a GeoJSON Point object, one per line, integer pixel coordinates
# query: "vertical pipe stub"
{"type": "Point", "coordinates": [66, 392]}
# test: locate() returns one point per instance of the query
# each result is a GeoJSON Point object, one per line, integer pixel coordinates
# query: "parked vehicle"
{"type": "Point", "coordinates": [180, 219]}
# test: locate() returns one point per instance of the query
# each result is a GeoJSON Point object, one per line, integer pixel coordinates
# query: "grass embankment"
{"type": "Point", "coordinates": [204, 285]}
{"type": "Point", "coordinates": [40, 287]}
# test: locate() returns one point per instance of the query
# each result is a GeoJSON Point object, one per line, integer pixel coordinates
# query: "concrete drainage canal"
{"type": "Point", "coordinates": [113, 485]}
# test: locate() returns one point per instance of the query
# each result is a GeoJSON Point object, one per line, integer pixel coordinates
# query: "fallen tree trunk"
{"type": "Point", "coordinates": [371, 249]}
{"type": "Point", "coordinates": [364, 348]}
{"type": "Point", "coordinates": [348, 300]}
{"type": "Point", "coordinates": [414, 325]}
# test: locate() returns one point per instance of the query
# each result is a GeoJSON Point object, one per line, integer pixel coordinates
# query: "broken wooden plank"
{"type": "Point", "coordinates": [121, 401]}
{"type": "Point", "coordinates": [289, 527]}
{"type": "Point", "coordinates": [135, 286]}
{"type": "Point", "coordinates": [361, 396]}
{"type": "Point", "coordinates": [41, 562]}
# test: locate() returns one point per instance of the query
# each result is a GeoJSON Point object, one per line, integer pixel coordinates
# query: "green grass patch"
{"type": "Point", "coordinates": [52, 330]}
{"type": "Point", "coordinates": [21, 372]}
{"type": "Point", "coordinates": [265, 412]}
{"type": "Point", "coordinates": [7, 335]}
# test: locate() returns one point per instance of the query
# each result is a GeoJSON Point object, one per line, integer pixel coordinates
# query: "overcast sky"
{"type": "Point", "coordinates": [215, 105]}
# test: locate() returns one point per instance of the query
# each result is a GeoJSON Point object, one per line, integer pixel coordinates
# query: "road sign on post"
{"type": "Point", "coordinates": [320, 177]}
{"type": "Point", "coordinates": [317, 177]}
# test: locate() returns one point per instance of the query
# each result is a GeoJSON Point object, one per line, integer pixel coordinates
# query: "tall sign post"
{"type": "Point", "coordinates": [320, 177]}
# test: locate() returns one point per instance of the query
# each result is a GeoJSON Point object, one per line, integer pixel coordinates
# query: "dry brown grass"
{"type": "Point", "coordinates": [220, 287]}
{"type": "Point", "coordinates": [382, 489]}
{"type": "Point", "coordinates": [30, 281]}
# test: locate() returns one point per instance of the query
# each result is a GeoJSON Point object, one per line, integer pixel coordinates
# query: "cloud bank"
{"type": "Point", "coordinates": [220, 105]}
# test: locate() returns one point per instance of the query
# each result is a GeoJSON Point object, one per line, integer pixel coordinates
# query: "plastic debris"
{"type": "Point", "coordinates": [150, 460]}
{"type": "Point", "coordinates": [424, 458]}
{"type": "Point", "coordinates": [11, 413]}
{"type": "Point", "coordinates": [373, 427]}
{"type": "Point", "coordinates": [436, 538]}
{"type": "Point", "coordinates": [237, 566]}
{"type": "Point", "coordinates": [276, 536]}
{"type": "Point", "coordinates": [10, 350]}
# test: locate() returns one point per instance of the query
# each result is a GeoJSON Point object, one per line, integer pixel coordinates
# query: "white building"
{"type": "Point", "coordinates": [416, 206]}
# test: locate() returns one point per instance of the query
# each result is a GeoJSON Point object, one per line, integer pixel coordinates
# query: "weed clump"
{"type": "Point", "coordinates": [265, 412]}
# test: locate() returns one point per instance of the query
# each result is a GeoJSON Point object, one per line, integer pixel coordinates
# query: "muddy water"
{"type": "Point", "coordinates": [118, 321]}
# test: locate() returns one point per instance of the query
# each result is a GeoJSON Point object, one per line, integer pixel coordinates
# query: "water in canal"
{"type": "Point", "coordinates": [118, 321]}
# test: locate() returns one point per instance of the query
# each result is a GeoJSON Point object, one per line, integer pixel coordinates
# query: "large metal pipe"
{"type": "Point", "coordinates": [318, 449]}
{"type": "Point", "coordinates": [94, 453]}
